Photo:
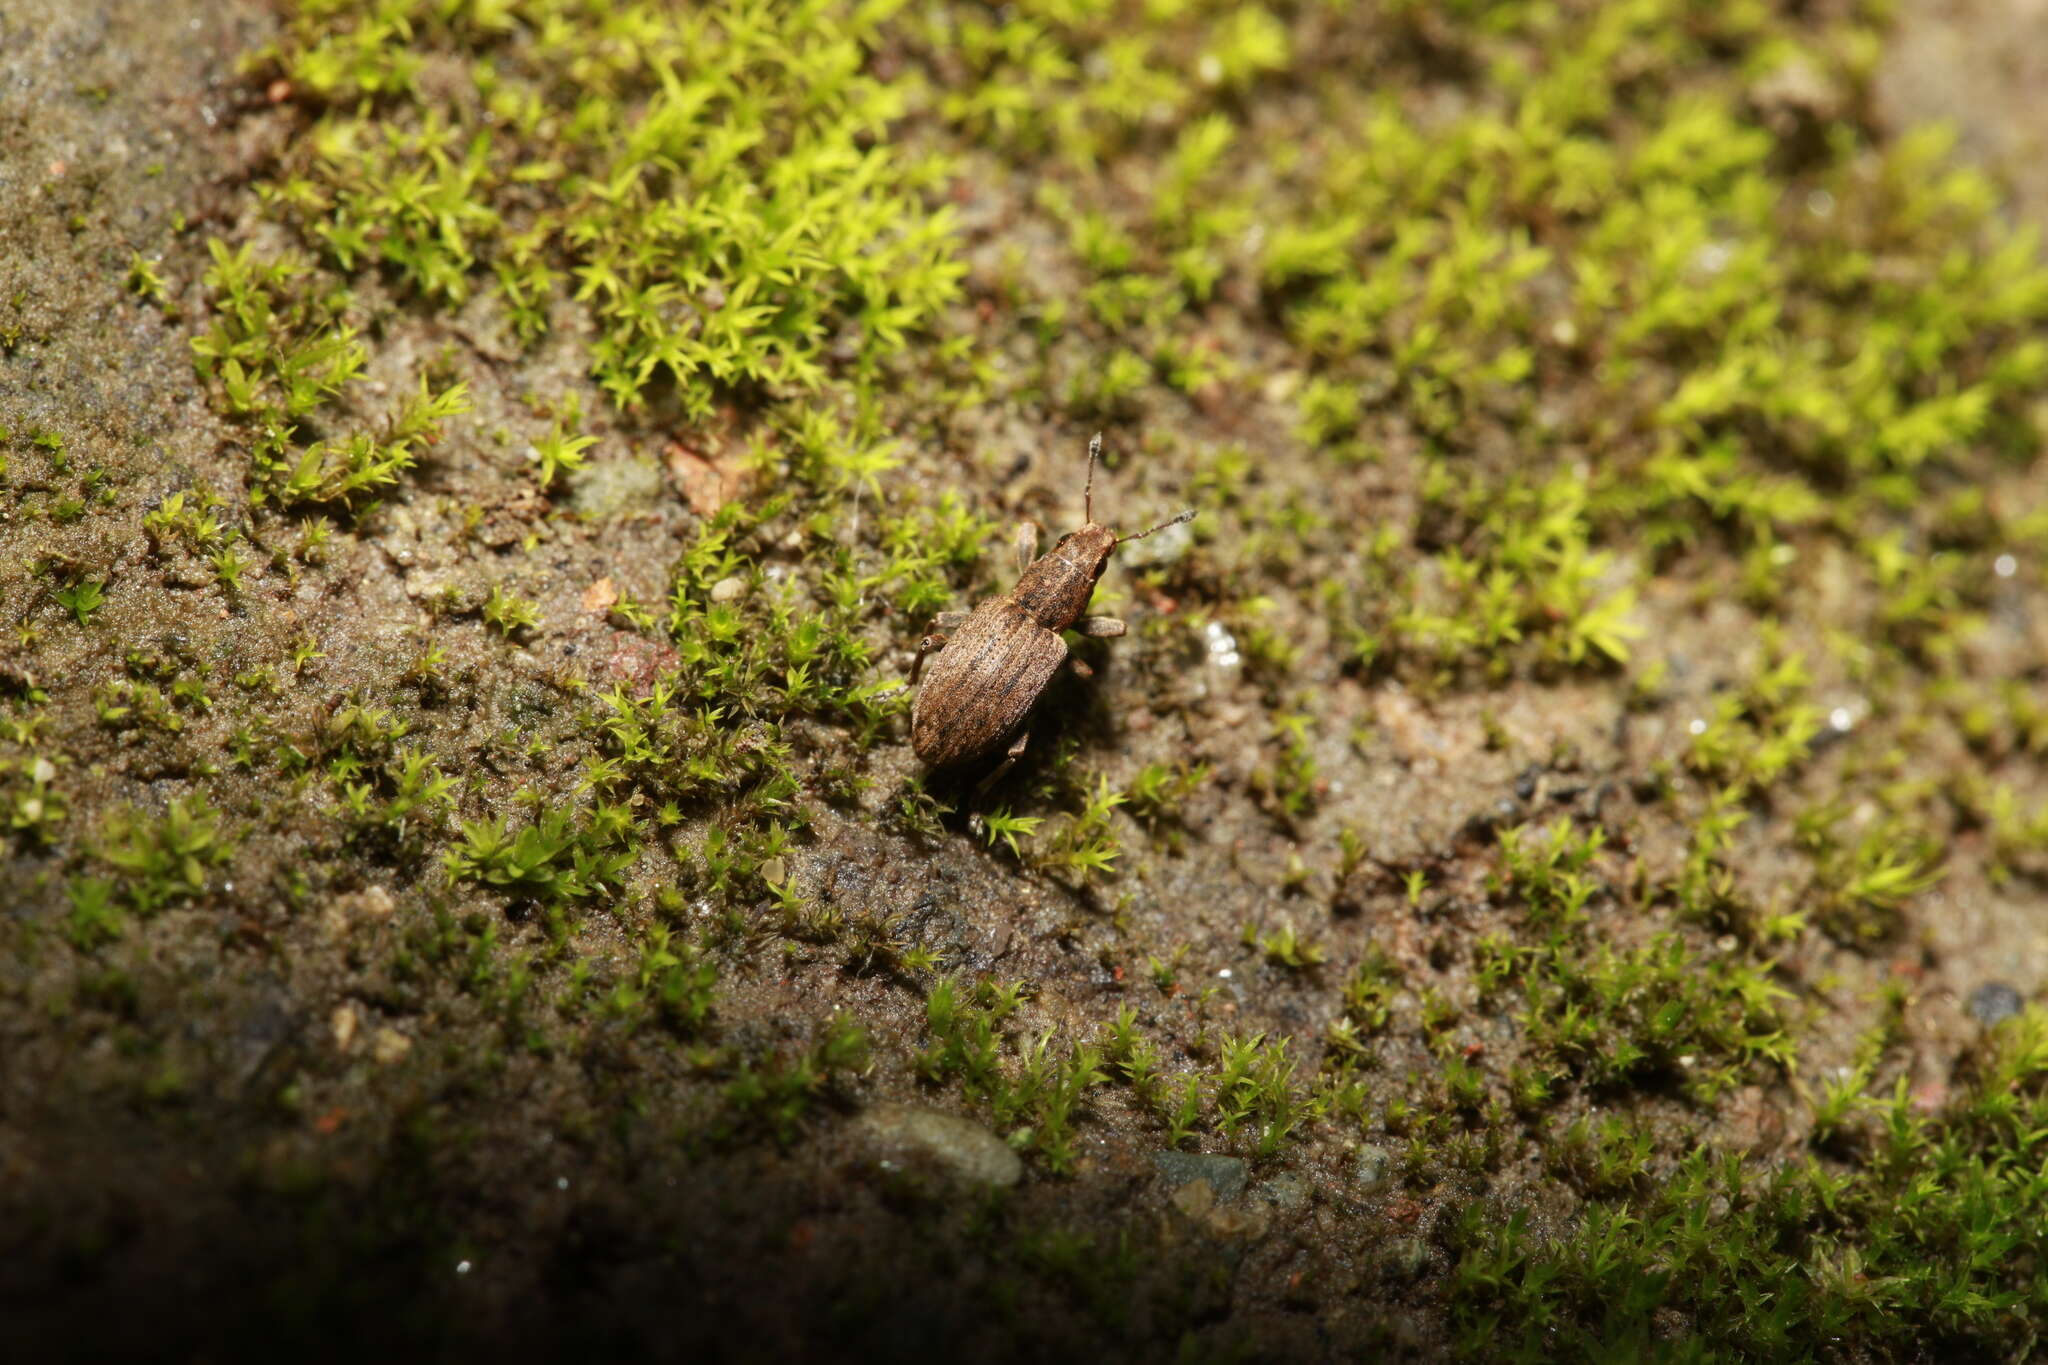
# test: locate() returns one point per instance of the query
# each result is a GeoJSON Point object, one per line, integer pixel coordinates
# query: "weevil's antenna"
{"type": "Point", "coordinates": [1088, 491]}
{"type": "Point", "coordinates": [1188, 515]}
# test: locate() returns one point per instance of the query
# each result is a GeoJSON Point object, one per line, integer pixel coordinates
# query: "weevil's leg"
{"type": "Point", "coordinates": [1080, 667]}
{"type": "Point", "coordinates": [944, 624]}
{"type": "Point", "coordinates": [1103, 627]}
{"type": "Point", "coordinates": [1026, 540]}
{"type": "Point", "coordinates": [935, 640]}
{"type": "Point", "coordinates": [1010, 757]}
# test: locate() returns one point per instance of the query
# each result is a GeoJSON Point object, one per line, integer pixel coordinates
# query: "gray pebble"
{"type": "Point", "coordinates": [1406, 1257]}
{"type": "Point", "coordinates": [605, 489]}
{"type": "Point", "coordinates": [1994, 1002]}
{"type": "Point", "coordinates": [1225, 1175]}
{"type": "Point", "coordinates": [1374, 1165]}
{"type": "Point", "coordinates": [1285, 1192]}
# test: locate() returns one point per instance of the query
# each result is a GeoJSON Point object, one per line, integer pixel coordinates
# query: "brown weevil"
{"type": "Point", "coordinates": [999, 658]}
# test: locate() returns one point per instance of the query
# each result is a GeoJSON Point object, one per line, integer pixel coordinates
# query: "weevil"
{"type": "Point", "coordinates": [997, 660]}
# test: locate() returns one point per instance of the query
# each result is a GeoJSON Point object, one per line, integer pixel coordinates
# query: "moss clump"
{"type": "Point", "coordinates": [711, 186]}
{"type": "Point", "coordinates": [1928, 1232]}
{"type": "Point", "coordinates": [159, 861]}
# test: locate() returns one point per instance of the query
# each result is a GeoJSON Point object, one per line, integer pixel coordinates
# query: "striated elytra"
{"type": "Point", "coordinates": [997, 660]}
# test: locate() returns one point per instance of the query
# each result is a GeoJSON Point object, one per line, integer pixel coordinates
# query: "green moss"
{"type": "Point", "coordinates": [1035, 1097]}
{"type": "Point", "coordinates": [1283, 946]}
{"type": "Point", "coordinates": [1287, 784]}
{"type": "Point", "coordinates": [1914, 1236]}
{"type": "Point", "coordinates": [711, 199]}
{"type": "Point", "coordinates": [509, 614]}
{"type": "Point", "coordinates": [1000, 825]}
{"type": "Point", "coordinates": [35, 808]}
{"type": "Point", "coordinates": [1616, 1015]}
{"type": "Point", "coordinates": [82, 599]}
{"type": "Point", "coordinates": [556, 858]}
{"type": "Point", "coordinates": [558, 453]}
{"type": "Point", "coordinates": [163, 859]}
{"type": "Point", "coordinates": [775, 1094]}
{"type": "Point", "coordinates": [1086, 844]}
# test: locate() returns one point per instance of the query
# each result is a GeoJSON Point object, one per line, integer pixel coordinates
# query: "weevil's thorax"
{"type": "Point", "coordinates": [1056, 586]}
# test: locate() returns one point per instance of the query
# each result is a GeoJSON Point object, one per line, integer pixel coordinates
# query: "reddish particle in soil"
{"type": "Point", "coordinates": [637, 662]}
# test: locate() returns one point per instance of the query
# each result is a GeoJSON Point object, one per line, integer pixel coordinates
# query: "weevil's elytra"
{"type": "Point", "coordinates": [998, 659]}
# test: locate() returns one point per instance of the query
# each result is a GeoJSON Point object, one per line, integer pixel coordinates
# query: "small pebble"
{"type": "Point", "coordinates": [1994, 1002]}
{"type": "Point", "coordinates": [374, 904]}
{"type": "Point", "coordinates": [1286, 1192]}
{"type": "Point", "coordinates": [1406, 1257]}
{"type": "Point", "coordinates": [1224, 1175]}
{"type": "Point", "coordinates": [962, 1148]}
{"type": "Point", "coordinates": [389, 1046]}
{"type": "Point", "coordinates": [1195, 1199]}
{"type": "Point", "coordinates": [344, 1024]}
{"type": "Point", "coordinates": [1374, 1163]}
{"type": "Point", "coordinates": [726, 589]}
{"type": "Point", "coordinates": [607, 489]}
